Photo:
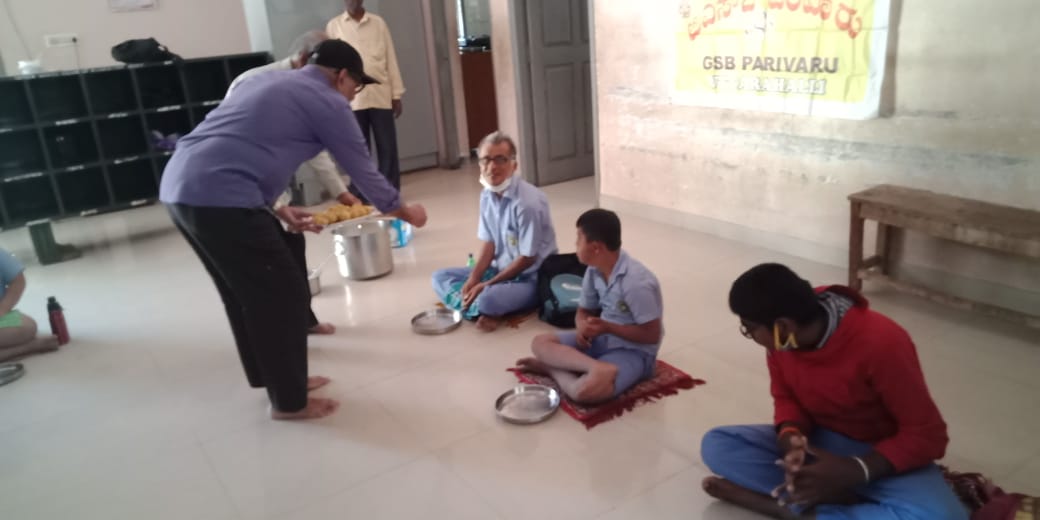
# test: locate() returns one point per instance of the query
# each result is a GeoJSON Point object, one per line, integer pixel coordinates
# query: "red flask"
{"type": "Point", "coordinates": [57, 317]}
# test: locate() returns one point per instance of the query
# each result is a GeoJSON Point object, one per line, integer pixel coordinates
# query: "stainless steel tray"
{"type": "Point", "coordinates": [527, 404]}
{"type": "Point", "coordinates": [10, 372]}
{"type": "Point", "coordinates": [436, 321]}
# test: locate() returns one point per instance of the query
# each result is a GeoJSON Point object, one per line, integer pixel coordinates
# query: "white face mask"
{"type": "Point", "coordinates": [495, 189]}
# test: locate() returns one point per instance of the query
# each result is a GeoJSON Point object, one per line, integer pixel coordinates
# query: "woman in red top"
{"type": "Point", "coordinates": [855, 433]}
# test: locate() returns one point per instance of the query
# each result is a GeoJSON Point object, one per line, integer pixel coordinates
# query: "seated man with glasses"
{"type": "Point", "coordinates": [517, 234]}
{"type": "Point", "coordinates": [855, 432]}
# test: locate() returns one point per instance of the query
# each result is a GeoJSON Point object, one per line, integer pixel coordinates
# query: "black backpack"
{"type": "Point", "coordinates": [559, 288]}
{"type": "Point", "coordinates": [146, 50]}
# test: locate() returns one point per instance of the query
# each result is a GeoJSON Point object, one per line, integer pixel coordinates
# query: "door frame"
{"type": "Point", "coordinates": [524, 105]}
{"type": "Point", "coordinates": [439, 42]}
{"type": "Point", "coordinates": [524, 92]}
{"type": "Point", "coordinates": [594, 97]}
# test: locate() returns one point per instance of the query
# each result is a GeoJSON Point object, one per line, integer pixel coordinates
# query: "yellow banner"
{"type": "Point", "coordinates": [810, 57]}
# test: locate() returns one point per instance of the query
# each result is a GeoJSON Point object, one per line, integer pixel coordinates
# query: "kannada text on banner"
{"type": "Point", "coordinates": [809, 57]}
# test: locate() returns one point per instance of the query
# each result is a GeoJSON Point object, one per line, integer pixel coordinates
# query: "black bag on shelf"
{"type": "Point", "coordinates": [146, 50]}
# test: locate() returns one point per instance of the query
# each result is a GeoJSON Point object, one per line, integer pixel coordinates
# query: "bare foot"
{"type": "Point", "coordinates": [514, 321]}
{"type": "Point", "coordinates": [48, 343]}
{"type": "Point", "coordinates": [723, 489]}
{"type": "Point", "coordinates": [716, 487]}
{"type": "Point", "coordinates": [316, 408]}
{"type": "Point", "coordinates": [322, 328]}
{"type": "Point", "coordinates": [488, 324]}
{"type": "Point", "coordinates": [316, 382]}
{"type": "Point", "coordinates": [533, 365]}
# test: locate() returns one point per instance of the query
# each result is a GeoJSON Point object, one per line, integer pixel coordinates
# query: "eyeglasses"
{"type": "Point", "coordinates": [745, 330]}
{"type": "Point", "coordinates": [360, 84]}
{"type": "Point", "coordinates": [499, 160]}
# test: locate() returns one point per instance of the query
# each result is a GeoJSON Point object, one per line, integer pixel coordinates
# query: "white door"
{"type": "Point", "coordinates": [560, 89]}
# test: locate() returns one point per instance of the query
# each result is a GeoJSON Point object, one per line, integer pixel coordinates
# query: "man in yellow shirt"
{"type": "Point", "coordinates": [378, 104]}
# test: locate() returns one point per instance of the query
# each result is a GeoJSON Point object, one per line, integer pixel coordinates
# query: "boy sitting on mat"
{"type": "Point", "coordinates": [855, 433]}
{"type": "Point", "coordinates": [618, 323]}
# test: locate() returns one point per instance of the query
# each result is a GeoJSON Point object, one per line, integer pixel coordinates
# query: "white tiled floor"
{"type": "Point", "coordinates": [147, 415]}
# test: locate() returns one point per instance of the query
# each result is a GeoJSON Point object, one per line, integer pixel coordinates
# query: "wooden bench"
{"type": "Point", "coordinates": [992, 226]}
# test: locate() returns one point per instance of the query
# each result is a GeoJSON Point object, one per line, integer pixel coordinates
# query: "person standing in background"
{"type": "Point", "coordinates": [379, 105]}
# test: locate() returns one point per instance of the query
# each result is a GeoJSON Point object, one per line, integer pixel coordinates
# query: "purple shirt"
{"type": "Point", "coordinates": [245, 152]}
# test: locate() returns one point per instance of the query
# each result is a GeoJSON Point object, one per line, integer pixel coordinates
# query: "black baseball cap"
{"type": "Point", "coordinates": [338, 54]}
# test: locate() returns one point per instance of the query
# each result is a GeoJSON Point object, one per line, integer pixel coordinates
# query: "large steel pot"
{"type": "Point", "coordinates": [363, 250]}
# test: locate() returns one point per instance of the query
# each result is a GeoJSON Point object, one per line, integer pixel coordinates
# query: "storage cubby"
{"type": "Point", "coordinates": [14, 105]}
{"type": "Point", "coordinates": [111, 91]}
{"type": "Point", "coordinates": [198, 114]}
{"type": "Point", "coordinates": [29, 199]}
{"type": "Point", "coordinates": [206, 80]}
{"type": "Point", "coordinates": [122, 137]}
{"type": "Point", "coordinates": [71, 145]}
{"type": "Point", "coordinates": [160, 163]}
{"type": "Point", "coordinates": [169, 122]}
{"type": "Point", "coordinates": [240, 64]}
{"type": "Point", "coordinates": [58, 98]}
{"type": "Point", "coordinates": [83, 190]}
{"type": "Point", "coordinates": [160, 86]}
{"type": "Point", "coordinates": [133, 180]}
{"type": "Point", "coordinates": [20, 153]}
{"type": "Point", "coordinates": [80, 141]}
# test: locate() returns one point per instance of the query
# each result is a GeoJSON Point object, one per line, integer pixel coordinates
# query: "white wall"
{"type": "Point", "coordinates": [965, 122]}
{"type": "Point", "coordinates": [190, 28]}
{"type": "Point", "coordinates": [258, 25]}
{"type": "Point", "coordinates": [455, 62]}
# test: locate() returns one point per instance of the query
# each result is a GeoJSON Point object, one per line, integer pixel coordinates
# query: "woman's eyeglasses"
{"type": "Point", "coordinates": [745, 331]}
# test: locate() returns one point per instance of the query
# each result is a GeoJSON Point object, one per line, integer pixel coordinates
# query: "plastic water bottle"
{"type": "Point", "coordinates": [471, 262]}
{"type": "Point", "coordinates": [57, 318]}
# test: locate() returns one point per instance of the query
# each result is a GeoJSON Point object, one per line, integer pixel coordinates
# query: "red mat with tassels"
{"type": "Point", "coordinates": [667, 380]}
{"type": "Point", "coordinates": [986, 501]}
